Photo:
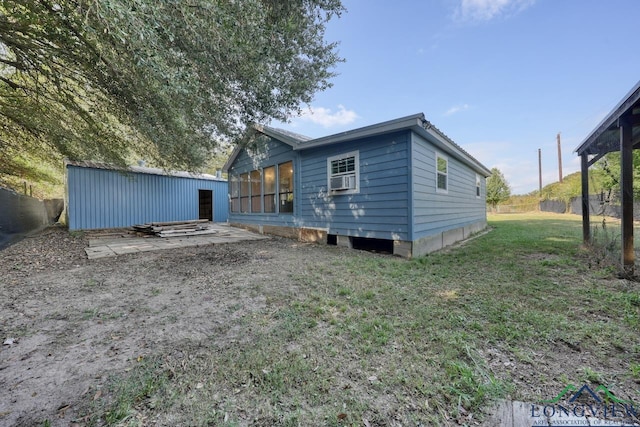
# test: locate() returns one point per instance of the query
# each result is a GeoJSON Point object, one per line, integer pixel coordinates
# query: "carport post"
{"type": "Point", "coordinates": [626, 183]}
{"type": "Point", "coordinates": [586, 226]}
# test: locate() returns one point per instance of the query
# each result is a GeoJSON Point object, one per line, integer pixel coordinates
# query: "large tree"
{"type": "Point", "coordinates": [498, 189]}
{"type": "Point", "coordinates": [165, 79]}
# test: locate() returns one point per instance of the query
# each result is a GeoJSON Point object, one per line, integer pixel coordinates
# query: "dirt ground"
{"type": "Point", "coordinates": [66, 322]}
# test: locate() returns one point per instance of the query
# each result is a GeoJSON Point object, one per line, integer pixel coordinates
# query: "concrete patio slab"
{"type": "Point", "coordinates": [110, 246]}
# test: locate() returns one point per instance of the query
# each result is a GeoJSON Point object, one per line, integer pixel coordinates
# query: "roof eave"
{"type": "Point", "coordinates": [265, 130]}
{"type": "Point", "coordinates": [416, 122]}
{"type": "Point", "coordinates": [139, 169]}
{"type": "Point", "coordinates": [232, 158]}
{"type": "Point", "coordinates": [430, 133]}
{"type": "Point", "coordinates": [611, 120]}
{"type": "Point", "coordinates": [280, 136]}
{"type": "Point", "coordinates": [376, 129]}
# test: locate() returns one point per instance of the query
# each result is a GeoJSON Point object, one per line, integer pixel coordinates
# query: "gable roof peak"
{"type": "Point", "coordinates": [284, 135]}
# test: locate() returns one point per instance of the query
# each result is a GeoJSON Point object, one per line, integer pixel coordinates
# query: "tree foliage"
{"type": "Point", "coordinates": [609, 166]}
{"type": "Point", "coordinates": [164, 79]}
{"type": "Point", "coordinates": [498, 189]}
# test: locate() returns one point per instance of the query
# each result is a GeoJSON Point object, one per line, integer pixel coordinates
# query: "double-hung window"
{"type": "Point", "coordinates": [442, 173]}
{"type": "Point", "coordinates": [343, 173]}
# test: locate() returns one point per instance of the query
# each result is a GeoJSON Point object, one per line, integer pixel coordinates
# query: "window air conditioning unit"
{"type": "Point", "coordinates": [343, 182]}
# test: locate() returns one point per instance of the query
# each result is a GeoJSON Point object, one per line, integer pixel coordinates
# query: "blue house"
{"type": "Point", "coordinates": [400, 185]}
{"type": "Point", "coordinates": [103, 196]}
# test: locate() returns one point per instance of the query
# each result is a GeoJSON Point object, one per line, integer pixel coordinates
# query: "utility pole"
{"type": "Point", "coordinates": [559, 159]}
{"type": "Point", "coordinates": [540, 170]}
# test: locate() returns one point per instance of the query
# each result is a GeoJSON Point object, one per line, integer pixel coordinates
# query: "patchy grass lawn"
{"type": "Point", "coordinates": [378, 340]}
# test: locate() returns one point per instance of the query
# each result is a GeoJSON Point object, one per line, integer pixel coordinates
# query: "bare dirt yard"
{"type": "Point", "coordinates": [281, 333]}
{"type": "Point", "coordinates": [68, 323]}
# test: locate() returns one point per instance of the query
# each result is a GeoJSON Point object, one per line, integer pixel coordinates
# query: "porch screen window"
{"type": "Point", "coordinates": [269, 189]}
{"type": "Point", "coordinates": [235, 193]}
{"type": "Point", "coordinates": [442, 171]}
{"type": "Point", "coordinates": [244, 193]}
{"type": "Point", "coordinates": [256, 191]}
{"type": "Point", "coordinates": [285, 187]}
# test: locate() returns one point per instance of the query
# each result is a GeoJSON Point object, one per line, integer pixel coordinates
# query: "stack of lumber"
{"type": "Point", "coordinates": [177, 228]}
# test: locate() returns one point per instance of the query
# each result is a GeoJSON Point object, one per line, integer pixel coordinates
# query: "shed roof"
{"type": "Point", "coordinates": [141, 169]}
{"type": "Point", "coordinates": [605, 137]}
{"type": "Point", "coordinates": [416, 122]}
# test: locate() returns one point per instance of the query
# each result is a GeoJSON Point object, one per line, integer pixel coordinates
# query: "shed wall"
{"type": "Point", "coordinates": [434, 212]}
{"type": "Point", "coordinates": [101, 198]}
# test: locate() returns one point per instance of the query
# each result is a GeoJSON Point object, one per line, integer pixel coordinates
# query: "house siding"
{"type": "Point", "coordinates": [267, 152]}
{"type": "Point", "coordinates": [395, 198]}
{"type": "Point", "coordinates": [381, 208]}
{"type": "Point", "coordinates": [436, 212]}
{"type": "Point", "coordinates": [103, 198]}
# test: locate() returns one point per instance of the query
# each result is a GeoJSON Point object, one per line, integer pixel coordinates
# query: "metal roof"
{"type": "Point", "coordinates": [291, 138]}
{"type": "Point", "coordinates": [415, 122]}
{"type": "Point", "coordinates": [605, 137]}
{"type": "Point", "coordinates": [142, 169]}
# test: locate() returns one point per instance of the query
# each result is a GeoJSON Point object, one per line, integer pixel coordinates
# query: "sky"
{"type": "Point", "coordinates": [500, 77]}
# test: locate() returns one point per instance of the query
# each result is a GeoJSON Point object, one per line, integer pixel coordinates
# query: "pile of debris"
{"type": "Point", "coordinates": [177, 228]}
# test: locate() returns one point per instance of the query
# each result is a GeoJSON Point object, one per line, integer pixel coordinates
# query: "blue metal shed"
{"type": "Point", "coordinates": [102, 196]}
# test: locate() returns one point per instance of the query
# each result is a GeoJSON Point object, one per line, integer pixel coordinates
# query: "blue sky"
{"type": "Point", "coordinates": [500, 77]}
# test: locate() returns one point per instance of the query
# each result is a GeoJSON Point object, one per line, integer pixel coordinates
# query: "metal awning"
{"type": "Point", "coordinates": [605, 138]}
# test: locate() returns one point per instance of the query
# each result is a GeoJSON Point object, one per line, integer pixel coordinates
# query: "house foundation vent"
{"type": "Point", "coordinates": [373, 245]}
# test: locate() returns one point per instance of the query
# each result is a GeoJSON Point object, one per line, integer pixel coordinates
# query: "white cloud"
{"type": "Point", "coordinates": [327, 118]}
{"type": "Point", "coordinates": [486, 10]}
{"type": "Point", "coordinates": [456, 109]}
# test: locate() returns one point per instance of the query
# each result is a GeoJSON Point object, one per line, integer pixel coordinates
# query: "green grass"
{"type": "Point", "coordinates": [380, 338]}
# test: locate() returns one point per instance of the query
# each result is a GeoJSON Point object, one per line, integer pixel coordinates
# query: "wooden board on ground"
{"type": "Point", "coordinates": [177, 228]}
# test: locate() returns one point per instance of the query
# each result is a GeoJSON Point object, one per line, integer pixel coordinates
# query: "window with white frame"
{"type": "Point", "coordinates": [343, 173]}
{"type": "Point", "coordinates": [442, 173]}
{"type": "Point", "coordinates": [478, 193]}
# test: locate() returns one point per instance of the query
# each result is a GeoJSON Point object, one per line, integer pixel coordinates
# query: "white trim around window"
{"type": "Point", "coordinates": [478, 187]}
{"type": "Point", "coordinates": [442, 173]}
{"type": "Point", "coordinates": [343, 173]}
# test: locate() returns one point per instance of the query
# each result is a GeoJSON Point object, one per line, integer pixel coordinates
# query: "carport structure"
{"type": "Point", "coordinates": [619, 131]}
